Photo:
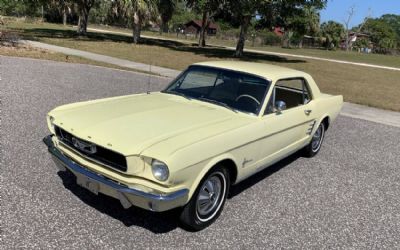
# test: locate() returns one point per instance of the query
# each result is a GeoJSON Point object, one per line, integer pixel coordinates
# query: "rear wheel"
{"type": "Point", "coordinates": [208, 200]}
{"type": "Point", "coordinates": [316, 141]}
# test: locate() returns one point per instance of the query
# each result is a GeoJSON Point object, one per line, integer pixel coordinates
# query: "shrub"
{"type": "Point", "coordinates": [270, 38]}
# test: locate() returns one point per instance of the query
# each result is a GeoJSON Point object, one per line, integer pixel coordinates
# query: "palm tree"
{"type": "Point", "coordinates": [333, 32]}
{"type": "Point", "coordinates": [166, 9]}
{"type": "Point", "coordinates": [142, 10]}
{"type": "Point", "coordinates": [313, 18]}
{"type": "Point", "coordinates": [312, 22]}
{"type": "Point", "coordinates": [84, 7]}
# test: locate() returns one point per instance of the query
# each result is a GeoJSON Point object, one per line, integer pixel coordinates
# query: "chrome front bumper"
{"type": "Point", "coordinates": [97, 183]}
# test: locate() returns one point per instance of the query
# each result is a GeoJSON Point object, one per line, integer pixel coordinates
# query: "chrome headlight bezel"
{"type": "Point", "coordinates": [159, 170]}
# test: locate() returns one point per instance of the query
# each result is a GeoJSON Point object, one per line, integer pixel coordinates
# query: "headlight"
{"type": "Point", "coordinates": [160, 170]}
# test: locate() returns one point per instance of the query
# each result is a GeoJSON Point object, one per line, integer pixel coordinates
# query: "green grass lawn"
{"type": "Point", "coordinates": [373, 87]}
{"type": "Point", "coordinates": [378, 59]}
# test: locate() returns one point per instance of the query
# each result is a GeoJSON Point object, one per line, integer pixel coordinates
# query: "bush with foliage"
{"type": "Point", "coordinates": [270, 38]}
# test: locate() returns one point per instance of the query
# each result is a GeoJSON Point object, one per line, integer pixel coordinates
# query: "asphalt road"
{"type": "Point", "coordinates": [346, 197]}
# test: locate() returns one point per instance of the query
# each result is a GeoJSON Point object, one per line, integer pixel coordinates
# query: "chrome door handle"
{"type": "Point", "coordinates": [307, 111]}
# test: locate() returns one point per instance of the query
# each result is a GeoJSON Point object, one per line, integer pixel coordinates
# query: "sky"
{"type": "Point", "coordinates": [337, 9]}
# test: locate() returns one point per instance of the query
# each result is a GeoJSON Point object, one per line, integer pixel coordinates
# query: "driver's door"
{"type": "Point", "coordinates": [286, 130]}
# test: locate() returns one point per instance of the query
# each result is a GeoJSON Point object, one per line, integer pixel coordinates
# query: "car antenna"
{"type": "Point", "coordinates": [149, 80]}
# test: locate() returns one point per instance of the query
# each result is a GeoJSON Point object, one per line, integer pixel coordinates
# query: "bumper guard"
{"type": "Point", "coordinates": [126, 195]}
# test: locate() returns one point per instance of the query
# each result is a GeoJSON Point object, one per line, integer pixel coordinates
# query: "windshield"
{"type": "Point", "coordinates": [234, 90]}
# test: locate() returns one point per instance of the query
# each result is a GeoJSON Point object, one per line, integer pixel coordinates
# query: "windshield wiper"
{"type": "Point", "coordinates": [217, 103]}
{"type": "Point", "coordinates": [177, 93]}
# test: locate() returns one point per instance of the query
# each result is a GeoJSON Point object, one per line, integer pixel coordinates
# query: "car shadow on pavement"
{"type": "Point", "coordinates": [265, 173]}
{"type": "Point", "coordinates": [157, 223]}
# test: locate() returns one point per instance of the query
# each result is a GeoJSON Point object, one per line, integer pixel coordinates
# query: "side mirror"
{"type": "Point", "coordinates": [280, 106]}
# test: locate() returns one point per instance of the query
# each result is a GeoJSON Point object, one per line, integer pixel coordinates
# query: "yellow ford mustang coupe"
{"type": "Point", "coordinates": [215, 125]}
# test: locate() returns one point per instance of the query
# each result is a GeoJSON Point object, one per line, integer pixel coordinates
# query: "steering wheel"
{"type": "Point", "coordinates": [248, 96]}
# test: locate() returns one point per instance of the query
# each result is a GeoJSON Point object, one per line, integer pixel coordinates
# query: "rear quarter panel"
{"type": "Point", "coordinates": [328, 106]}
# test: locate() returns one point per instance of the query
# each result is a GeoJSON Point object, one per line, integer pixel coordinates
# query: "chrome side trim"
{"type": "Point", "coordinates": [154, 199]}
{"type": "Point", "coordinates": [249, 142]}
{"type": "Point", "coordinates": [311, 128]}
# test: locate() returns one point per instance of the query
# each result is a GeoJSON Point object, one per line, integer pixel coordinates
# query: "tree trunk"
{"type": "Point", "coordinates": [83, 19]}
{"type": "Point", "coordinates": [137, 27]}
{"type": "Point", "coordinates": [64, 15]}
{"type": "Point", "coordinates": [289, 38]}
{"type": "Point", "coordinates": [203, 30]}
{"type": "Point", "coordinates": [242, 37]}
{"type": "Point", "coordinates": [301, 43]}
{"type": "Point", "coordinates": [164, 26]}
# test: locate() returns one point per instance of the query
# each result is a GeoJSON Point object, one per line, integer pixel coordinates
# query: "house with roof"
{"type": "Point", "coordinates": [353, 37]}
{"type": "Point", "coordinates": [194, 27]}
{"type": "Point", "coordinates": [279, 31]}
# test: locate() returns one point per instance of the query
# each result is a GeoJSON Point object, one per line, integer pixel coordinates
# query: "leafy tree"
{"type": "Point", "coordinates": [166, 9]}
{"type": "Point", "coordinates": [84, 7]}
{"type": "Point", "coordinates": [394, 22]}
{"type": "Point", "coordinates": [57, 10]}
{"type": "Point", "coordinates": [119, 13]}
{"type": "Point", "coordinates": [304, 22]}
{"type": "Point", "coordinates": [65, 7]}
{"type": "Point", "coordinates": [8, 7]}
{"type": "Point", "coordinates": [22, 7]}
{"type": "Point", "coordinates": [333, 32]}
{"type": "Point", "coordinates": [207, 8]}
{"type": "Point", "coordinates": [182, 14]}
{"type": "Point", "coordinates": [298, 17]}
{"type": "Point", "coordinates": [100, 11]}
{"type": "Point", "coordinates": [289, 14]}
{"type": "Point", "coordinates": [381, 34]}
{"type": "Point", "coordinates": [244, 11]}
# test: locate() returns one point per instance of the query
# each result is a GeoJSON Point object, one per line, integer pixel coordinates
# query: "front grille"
{"type": "Point", "coordinates": [102, 155]}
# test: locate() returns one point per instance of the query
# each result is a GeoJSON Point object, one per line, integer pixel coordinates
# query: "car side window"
{"type": "Point", "coordinates": [291, 92]}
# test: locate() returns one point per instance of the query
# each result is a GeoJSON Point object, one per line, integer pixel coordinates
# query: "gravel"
{"type": "Point", "coordinates": [346, 197]}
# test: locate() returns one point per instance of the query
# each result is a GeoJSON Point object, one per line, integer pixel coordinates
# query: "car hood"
{"type": "Point", "coordinates": [131, 124]}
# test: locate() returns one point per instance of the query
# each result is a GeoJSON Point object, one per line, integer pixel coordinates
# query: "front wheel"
{"type": "Point", "coordinates": [208, 200]}
{"type": "Point", "coordinates": [316, 141]}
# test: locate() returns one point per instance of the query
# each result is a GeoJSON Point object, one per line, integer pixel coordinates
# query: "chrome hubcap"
{"type": "Point", "coordinates": [317, 138]}
{"type": "Point", "coordinates": [209, 195]}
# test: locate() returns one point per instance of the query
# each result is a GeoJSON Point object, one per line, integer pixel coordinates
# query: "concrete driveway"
{"type": "Point", "coordinates": [346, 197]}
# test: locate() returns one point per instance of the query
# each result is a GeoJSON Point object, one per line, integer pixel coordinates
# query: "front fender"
{"type": "Point", "coordinates": [191, 176]}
